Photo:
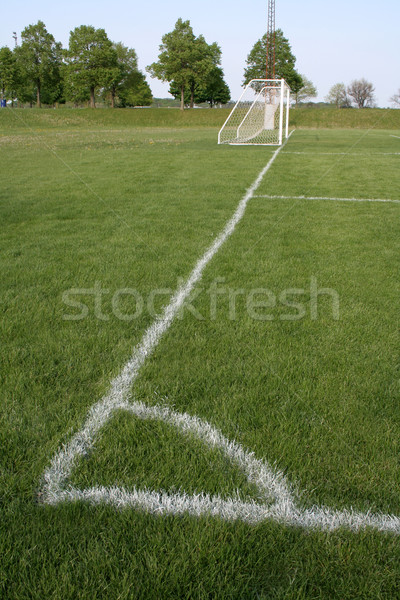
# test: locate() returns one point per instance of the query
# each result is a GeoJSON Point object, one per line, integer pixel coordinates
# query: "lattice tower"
{"type": "Point", "coordinates": [270, 71]}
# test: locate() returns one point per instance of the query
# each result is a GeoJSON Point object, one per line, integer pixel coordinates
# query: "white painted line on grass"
{"type": "Point", "coordinates": [61, 466]}
{"type": "Point", "coordinates": [364, 154]}
{"type": "Point", "coordinates": [271, 197]}
{"type": "Point", "coordinates": [277, 500]}
{"type": "Point", "coordinates": [396, 136]}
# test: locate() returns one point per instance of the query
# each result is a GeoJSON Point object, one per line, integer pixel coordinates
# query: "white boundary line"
{"type": "Point", "coordinates": [363, 154]}
{"type": "Point", "coordinates": [277, 501]}
{"type": "Point", "coordinates": [276, 497]}
{"type": "Point", "coordinates": [63, 462]}
{"type": "Point", "coordinates": [268, 197]}
{"type": "Point", "coordinates": [396, 136]}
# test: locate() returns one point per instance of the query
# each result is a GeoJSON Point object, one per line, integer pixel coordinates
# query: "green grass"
{"type": "Point", "coordinates": [82, 119]}
{"type": "Point", "coordinates": [133, 205]}
{"type": "Point", "coordinates": [113, 118]}
{"type": "Point", "coordinates": [334, 118]}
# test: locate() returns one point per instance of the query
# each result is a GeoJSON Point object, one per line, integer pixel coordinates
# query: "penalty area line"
{"type": "Point", "coordinates": [56, 475]}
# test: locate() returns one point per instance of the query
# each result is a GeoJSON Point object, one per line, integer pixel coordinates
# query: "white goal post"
{"type": "Point", "coordinates": [260, 116]}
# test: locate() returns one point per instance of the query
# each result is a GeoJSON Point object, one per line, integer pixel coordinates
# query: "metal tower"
{"type": "Point", "coordinates": [270, 73]}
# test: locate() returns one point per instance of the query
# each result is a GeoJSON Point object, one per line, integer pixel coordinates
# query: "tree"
{"type": "Point", "coordinates": [39, 60]}
{"type": "Point", "coordinates": [337, 95]}
{"type": "Point", "coordinates": [395, 99]}
{"type": "Point", "coordinates": [175, 58]}
{"type": "Point", "coordinates": [213, 90]}
{"type": "Point", "coordinates": [75, 90]}
{"type": "Point", "coordinates": [362, 92]}
{"type": "Point", "coordinates": [184, 60]}
{"type": "Point", "coordinates": [92, 63]}
{"type": "Point", "coordinates": [307, 90]}
{"type": "Point", "coordinates": [205, 58]}
{"type": "Point", "coordinates": [8, 74]}
{"type": "Point", "coordinates": [129, 87]}
{"type": "Point", "coordinates": [126, 64]}
{"type": "Point", "coordinates": [284, 62]}
{"type": "Point", "coordinates": [134, 90]}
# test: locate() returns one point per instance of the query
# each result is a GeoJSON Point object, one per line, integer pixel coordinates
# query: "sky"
{"type": "Point", "coordinates": [333, 41]}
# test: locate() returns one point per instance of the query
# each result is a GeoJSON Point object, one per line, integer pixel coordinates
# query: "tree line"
{"type": "Point", "coordinates": [360, 92]}
{"type": "Point", "coordinates": [40, 71]}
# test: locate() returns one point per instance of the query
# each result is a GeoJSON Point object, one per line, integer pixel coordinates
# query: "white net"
{"type": "Point", "coordinates": [260, 116]}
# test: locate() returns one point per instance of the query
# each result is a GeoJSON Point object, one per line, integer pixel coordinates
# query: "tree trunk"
{"type": "Point", "coordinates": [192, 95]}
{"type": "Point", "coordinates": [182, 97]}
{"type": "Point", "coordinates": [38, 102]}
{"type": "Point", "coordinates": [92, 98]}
{"type": "Point", "coordinates": [112, 98]}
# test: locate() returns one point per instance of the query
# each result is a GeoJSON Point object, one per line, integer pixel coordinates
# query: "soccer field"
{"type": "Point", "coordinates": [199, 364]}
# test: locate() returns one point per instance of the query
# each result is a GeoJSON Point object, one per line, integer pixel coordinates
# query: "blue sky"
{"type": "Point", "coordinates": [333, 41]}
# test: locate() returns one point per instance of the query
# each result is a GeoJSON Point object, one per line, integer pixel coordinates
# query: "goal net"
{"type": "Point", "coordinates": [260, 116]}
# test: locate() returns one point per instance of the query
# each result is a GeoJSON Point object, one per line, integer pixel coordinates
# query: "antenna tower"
{"type": "Point", "coordinates": [270, 73]}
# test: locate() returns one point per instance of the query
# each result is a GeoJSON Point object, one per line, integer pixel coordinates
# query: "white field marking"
{"type": "Point", "coordinates": [364, 154]}
{"type": "Point", "coordinates": [63, 462]}
{"type": "Point", "coordinates": [268, 197]}
{"type": "Point", "coordinates": [277, 500]}
{"type": "Point", "coordinates": [396, 136]}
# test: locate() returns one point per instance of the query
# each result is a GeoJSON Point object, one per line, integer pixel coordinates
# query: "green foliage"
{"type": "Point", "coordinates": [205, 58]}
{"type": "Point", "coordinates": [214, 89]}
{"type": "Point", "coordinates": [93, 66]}
{"type": "Point", "coordinates": [129, 88]}
{"type": "Point", "coordinates": [8, 73]}
{"type": "Point", "coordinates": [185, 61]}
{"type": "Point", "coordinates": [211, 89]}
{"type": "Point", "coordinates": [284, 62]}
{"type": "Point", "coordinates": [92, 62]}
{"type": "Point", "coordinates": [307, 90]}
{"type": "Point", "coordinates": [337, 95]}
{"type": "Point", "coordinates": [134, 91]}
{"type": "Point", "coordinates": [175, 58]}
{"type": "Point", "coordinates": [39, 64]}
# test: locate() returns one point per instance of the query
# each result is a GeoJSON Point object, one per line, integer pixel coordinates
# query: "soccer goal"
{"type": "Point", "coordinates": [260, 116]}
